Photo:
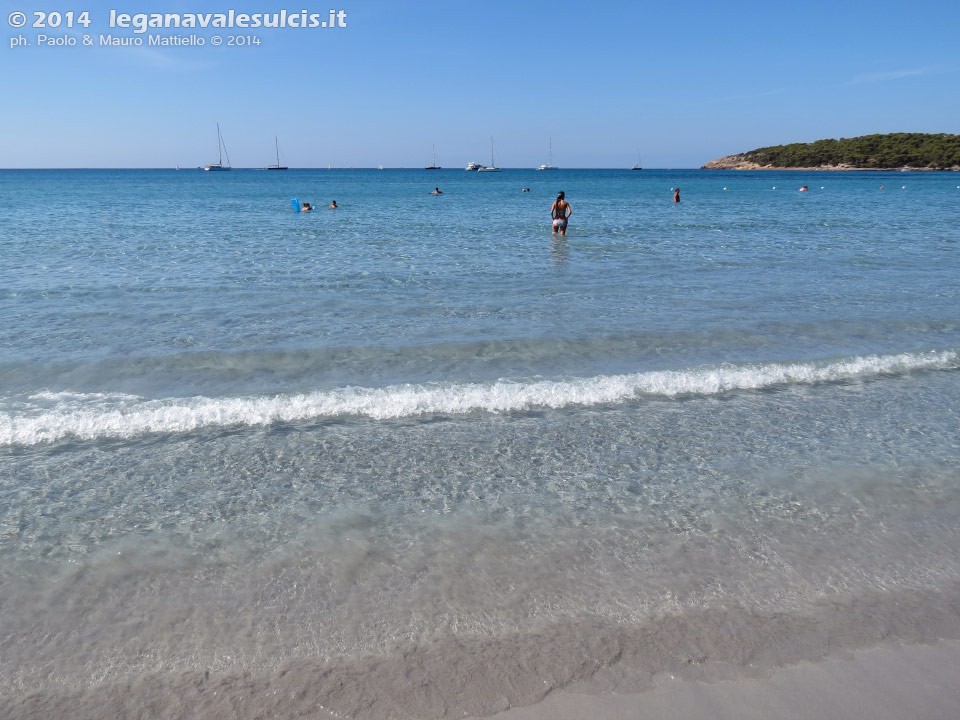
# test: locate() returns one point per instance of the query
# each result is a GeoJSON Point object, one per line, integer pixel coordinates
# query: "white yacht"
{"type": "Point", "coordinates": [549, 164]}
{"type": "Point", "coordinates": [493, 165]}
{"type": "Point", "coordinates": [221, 151]}
{"type": "Point", "coordinates": [473, 167]}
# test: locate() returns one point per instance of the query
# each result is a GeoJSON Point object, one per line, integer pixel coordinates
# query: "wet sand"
{"type": "Point", "coordinates": [891, 682]}
{"type": "Point", "coordinates": [888, 683]}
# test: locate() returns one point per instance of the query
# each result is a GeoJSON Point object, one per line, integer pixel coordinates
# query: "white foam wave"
{"type": "Point", "coordinates": [48, 417]}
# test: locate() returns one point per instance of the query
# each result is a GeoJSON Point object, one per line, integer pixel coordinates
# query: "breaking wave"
{"type": "Point", "coordinates": [48, 417]}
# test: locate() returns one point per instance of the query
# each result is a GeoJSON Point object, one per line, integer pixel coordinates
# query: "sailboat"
{"type": "Point", "coordinates": [549, 165]}
{"type": "Point", "coordinates": [637, 166]}
{"type": "Point", "coordinates": [434, 166]}
{"type": "Point", "coordinates": [493, 165]}
{"type": "Point", "coordinates": [221, 151]}
{"type": "Point", "coordinates": [278, 166]}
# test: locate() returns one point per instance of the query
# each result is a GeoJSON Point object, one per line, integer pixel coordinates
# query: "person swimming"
{"type": "Point", "coordinates": [332, 205]}
{"type": "Point", "coordinates": [560, 212]}
{"type": "Point", "coordinates": [437, 191]}
{"type": "Point", "coordinates": [306, 207]}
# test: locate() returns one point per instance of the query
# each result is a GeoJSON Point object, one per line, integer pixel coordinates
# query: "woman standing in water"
{"type": "Point", "coordinates": [560, 212]}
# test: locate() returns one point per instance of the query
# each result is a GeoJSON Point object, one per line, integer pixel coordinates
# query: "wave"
{"type": "Point", "coordinates": [48, 417]}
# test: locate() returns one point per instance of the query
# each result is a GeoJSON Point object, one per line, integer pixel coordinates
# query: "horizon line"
{"type": "Point", "coordinates": [200, 167]}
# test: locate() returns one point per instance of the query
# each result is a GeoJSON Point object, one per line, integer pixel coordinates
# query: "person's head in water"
{"type": "Point", "coordinates": [333, 204]}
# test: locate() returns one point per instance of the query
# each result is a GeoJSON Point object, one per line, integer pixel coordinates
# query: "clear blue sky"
{"type": "Point", "coordinates": [680, 82]}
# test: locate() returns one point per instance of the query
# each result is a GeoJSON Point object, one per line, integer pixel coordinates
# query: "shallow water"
{"type": "Point", "coordinates": [374, 451]}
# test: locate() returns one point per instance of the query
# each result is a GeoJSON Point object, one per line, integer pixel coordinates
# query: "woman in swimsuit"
{"type": "Point", "coordinates": [560, 213]}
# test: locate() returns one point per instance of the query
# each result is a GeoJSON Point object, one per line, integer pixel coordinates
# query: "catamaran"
{"type": "Point", "coordinates": [278, 166]}
{"type": "Point", "coordinates": [493, 165]}
{"type": "Point", "coordinates": [221, 151]}
{"type": "Point", "coordinates": [549, 164]}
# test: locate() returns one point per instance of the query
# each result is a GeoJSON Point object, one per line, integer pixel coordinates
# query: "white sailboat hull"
{"type": "Point", "coordinates": [221, 151]}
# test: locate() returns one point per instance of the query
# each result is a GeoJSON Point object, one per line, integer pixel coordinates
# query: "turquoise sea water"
{"type": "Point", "coordinates": [422, 434]}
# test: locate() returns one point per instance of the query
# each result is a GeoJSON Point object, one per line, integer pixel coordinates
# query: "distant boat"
{"type": "Point", "coordinates": [474, 166]}
{"type": "Point", "coordinates": [549, 164]}
{"type": "Point", "coordinates": [221, 151]}
{"type": "Point", "coordinates": [434, 166]}
{"type": "Point", "coordinates": [380, 166]}
{"type": "Point", "coordinates": [493, 165]}
{"type": "Point", "coordinates": [637, 166]}
{"type": "Point", "coordinates": [278, 166]}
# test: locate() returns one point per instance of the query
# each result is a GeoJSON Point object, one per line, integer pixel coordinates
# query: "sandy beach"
{"type": "Point", "coordinates": [891, 682]}
{"type": "Point", "coordinates": [886, 683]}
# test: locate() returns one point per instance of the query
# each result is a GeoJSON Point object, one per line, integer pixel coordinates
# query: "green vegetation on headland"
{"type": "Point", "coordinates": [893, 151]}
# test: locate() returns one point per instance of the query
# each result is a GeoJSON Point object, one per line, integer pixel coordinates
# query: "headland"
{"type": "Point", "coordinates": [893, 151]}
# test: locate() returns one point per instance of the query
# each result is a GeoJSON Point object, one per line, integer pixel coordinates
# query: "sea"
{"type": "Point", "coordinates": [419, 457]}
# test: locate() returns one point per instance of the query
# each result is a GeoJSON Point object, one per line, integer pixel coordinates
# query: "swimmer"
{"type": "Point", "coordinates": [524, 189]}
{"type": "Point", "coordinates": [332, 205]}
{"type": "Point", "coordinates": [437, 191]}
{"type": "Point", "coordinates": [676, 194]}
{"type": "Point", "coordinates": [804, 189]}
{"type": "Point", "coordinates": [306, 207]}
{"type": "Point", "coordinates": [560, 212]}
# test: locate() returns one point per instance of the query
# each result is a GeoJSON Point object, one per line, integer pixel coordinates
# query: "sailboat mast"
{"type": "Point", "coordinates": [277, 144]}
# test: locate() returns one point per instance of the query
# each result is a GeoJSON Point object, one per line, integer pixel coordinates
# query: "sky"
{"type": "Point", "coordinates": [679, 83]}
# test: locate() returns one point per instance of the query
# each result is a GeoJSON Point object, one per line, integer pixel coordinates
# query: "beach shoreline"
{"type": "Point", "coordinates": [824, 662]}
{"type": "Point", "coordinates": [887, 682]}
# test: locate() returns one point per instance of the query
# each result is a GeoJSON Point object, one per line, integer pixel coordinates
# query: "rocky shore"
{"type": "Point", "coordinates": [741, 162]}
